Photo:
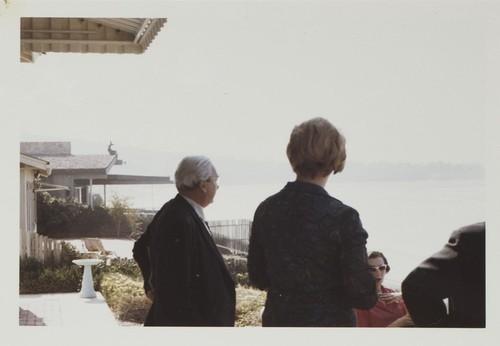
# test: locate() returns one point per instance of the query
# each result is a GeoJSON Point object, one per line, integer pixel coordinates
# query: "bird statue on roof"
{"type": "Point", "coordinates": [111, 151]}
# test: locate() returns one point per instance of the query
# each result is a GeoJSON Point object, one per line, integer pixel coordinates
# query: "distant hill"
{"type": "Point", "coordinates": [232, 170]}
{"type": "Point", "coordinates": [239, 171]}
{"type": "Point", "coordinates": [384, 171]}
{"type": "Point", "coordinates": [247, 171]}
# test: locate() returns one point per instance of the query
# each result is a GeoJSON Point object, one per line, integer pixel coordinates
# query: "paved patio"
{"type": "Point", "coordinates": [64, 309]}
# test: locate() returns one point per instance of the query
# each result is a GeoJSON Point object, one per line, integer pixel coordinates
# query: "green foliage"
{"type": "Point", "coordinates": [35, 277]}
{"type": "Point", "coordinates": [125, 218]}
{"type": "Point", "coordinates": [133, 308]}
{"type": "Point", "coordinates": [93, 222]}
{"type": "Point", "coordinates": [249, 301]}
{"type": "Point", "coordinates": [38, 277]}
{"type": "Point", "coordinates": [66, 218]}
{"type": "Point", "coordinates": [121, 284]}
{"type": "Point", "coordinates": [249, 306]}
{"type": "Point", "coordinates": [126, 267]}
{"type": "Point", "coordinates": [237, 266]}
{"type": "Point", "coordinates": [69, 253]}
{"type": "Point", "coordinates": [143, 222]}
{"type": "Point", "coordinates": [125, 296]}
{"type": "Point", "coordinates": [122, 266]}
{"type": "Point", "coordinates": [56, 216]}
{"type": "Point", "coordinates": [64, 279]}
{"type": "Point", "coordinates": [30, 268]}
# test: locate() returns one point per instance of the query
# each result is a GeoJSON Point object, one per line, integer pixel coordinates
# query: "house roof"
{"type": "Point", "coordinates": [60, 157]}
{"type": "Point", "coordinates": [81, 162]}
{"type": "Point", "coordinates": [84, 167]}
{"type": "Point", "coordinates": [40, 35]}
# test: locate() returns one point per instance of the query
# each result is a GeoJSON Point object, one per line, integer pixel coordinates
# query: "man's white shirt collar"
{"type": "Point", "coordinates": [199, 211]}
{"type": "Point", "coordinates": [197, 208]}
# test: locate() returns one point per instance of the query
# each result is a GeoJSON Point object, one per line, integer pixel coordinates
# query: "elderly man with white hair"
{"type": "Point", "coordinates": [184, 272]}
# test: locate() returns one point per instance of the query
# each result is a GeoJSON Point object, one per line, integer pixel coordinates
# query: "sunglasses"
{"type": "Point", "coordinates": [382, 268]}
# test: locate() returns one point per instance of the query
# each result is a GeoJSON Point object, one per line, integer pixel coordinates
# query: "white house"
{"type": "Point", "coordinates": [30, 243]}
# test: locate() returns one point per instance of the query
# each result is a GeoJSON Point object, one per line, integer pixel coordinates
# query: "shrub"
{"type": "Point", "coordinates": [61, 279]}
{"type": "Point", "coordinates": [35, 277]}
{"type": "Point", "coordinates": [249, 305]}
{"type": "Point", "coordinates": [127, 267]}
{"type": "Point", "coordinates": [133, 309]}
{"type": "Point", "coordinates": [122, 285]}
{"type": "Point", "coordinates": [69, 253]}
{"type": "Point", "coordinates": [237, 266]}
{"type": "Point", "coordinates": [126, 299]}
{"type": "Point", "coordinates": [122, 266]}
{"type": "Point", "coordinates": [94, 222]}
{"type": "Point", "coordinates": [38, 277]}
{"type": "Point", "coordinates": [143, 221]}
{"type": "Point", "coordinates": [66, 218]}
{"type": "Point", "coordinates": [55, 216]}
{"type": "Point", "coordinates": [125, 296]}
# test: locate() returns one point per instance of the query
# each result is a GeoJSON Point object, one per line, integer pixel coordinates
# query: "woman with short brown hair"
{"type": "Point", "coordinates": [316, 148]}
{"type": "Point", "coordinates": [308, 249]}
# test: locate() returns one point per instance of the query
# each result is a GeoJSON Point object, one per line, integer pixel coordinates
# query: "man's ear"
{"type": "Point", "coordinates": [203, 187]}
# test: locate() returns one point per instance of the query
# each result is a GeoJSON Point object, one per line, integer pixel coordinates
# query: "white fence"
{"type": "Point", "coordinates": [232, 234]}
{"type": "Point", "coordinates": [40, 247]}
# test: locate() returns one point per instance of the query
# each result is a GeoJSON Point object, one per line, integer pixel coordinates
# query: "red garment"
{"type": "Point", "coordinates": [382, 314]}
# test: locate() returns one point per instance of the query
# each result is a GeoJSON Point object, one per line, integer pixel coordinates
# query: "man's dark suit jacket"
{"type": "Point", "coordinates": [457, 272]}
{"type": "Point", "coordinates": [181, 263]}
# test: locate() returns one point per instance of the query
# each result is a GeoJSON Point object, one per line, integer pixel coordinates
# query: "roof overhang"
{"type": "Point", "coordinates": [117, 179]}
{"type": "Point", "coordinates": [40, 35]}
{"type": "Point", "coordinates": [41, 166]}
{"type": "Point", "coordinates": [40, 187]}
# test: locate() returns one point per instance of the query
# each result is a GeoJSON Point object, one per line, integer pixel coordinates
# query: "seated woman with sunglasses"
{"type": "Point", "coordinates": [390, 306]}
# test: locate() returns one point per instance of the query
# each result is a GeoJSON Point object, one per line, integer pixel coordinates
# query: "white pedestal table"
{"type": "Point", "coordinates": [87, 290]}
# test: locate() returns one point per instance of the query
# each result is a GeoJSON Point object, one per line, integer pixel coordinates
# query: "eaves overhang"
{"type": "Point", "coordinates": [40, 165]}
{"type": "Point", "coordinates": [41, 35]}
{"type": "Point", "coordinates": [122, 179]}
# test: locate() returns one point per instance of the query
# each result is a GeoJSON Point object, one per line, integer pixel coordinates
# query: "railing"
{"type": "Point", "coordinates": [40, 247]}
{"type": "Point", "coordinates": [232, 235]}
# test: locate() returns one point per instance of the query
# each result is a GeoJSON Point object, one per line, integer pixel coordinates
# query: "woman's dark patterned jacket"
{"type": "Point", "coordinates": [308, 251]}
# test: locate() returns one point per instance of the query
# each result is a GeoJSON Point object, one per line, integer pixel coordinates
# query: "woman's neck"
{"type": "Point", "coordinates": [321, 181]}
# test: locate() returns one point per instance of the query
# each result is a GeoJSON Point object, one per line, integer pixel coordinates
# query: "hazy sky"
{"type": "Point", "coordinates": [403, 81]}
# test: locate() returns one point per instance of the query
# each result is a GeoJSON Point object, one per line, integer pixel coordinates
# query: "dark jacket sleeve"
{"type": "Point", "coordinates": [357, 279]}
{"type": "Point", "coordinates": [140, 252]}
{"type": "Point", "coordinates": [256, 263]}
{"type": "Point", "coordinates": [455, 272]}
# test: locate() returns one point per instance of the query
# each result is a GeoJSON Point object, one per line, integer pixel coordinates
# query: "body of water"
{"type": "Point", "coordinates": [407, 221]}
